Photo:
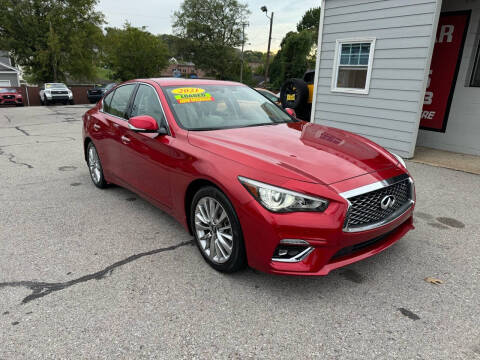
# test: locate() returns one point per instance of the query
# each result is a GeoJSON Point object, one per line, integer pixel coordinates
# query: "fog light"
{"type": "Point", "coordinates": [292, 250]}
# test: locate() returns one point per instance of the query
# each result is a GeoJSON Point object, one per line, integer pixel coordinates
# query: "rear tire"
{"type": "Point", "coordinates": [217, 230]}
{"type": "Point", "coordinates": [95, 167]}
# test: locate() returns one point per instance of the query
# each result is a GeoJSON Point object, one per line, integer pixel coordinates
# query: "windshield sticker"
{"type": "Point", "coordinates": [48, 86]}
{"type": "Point", "coordinates": [190, 95]}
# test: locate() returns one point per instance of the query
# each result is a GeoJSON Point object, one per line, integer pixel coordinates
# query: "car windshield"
{"type": "Point", "coordinates": [214, 107]}
{"type": "Point", "coordinates": [8, 90]}
{"type": "Point", "coordinates": [55, 85]}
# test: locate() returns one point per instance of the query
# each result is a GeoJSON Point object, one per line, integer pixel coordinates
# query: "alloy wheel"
{"type": "Point", "coordinates": [214, 230]}
{"type": "Point", "coordinates": [94, 165]}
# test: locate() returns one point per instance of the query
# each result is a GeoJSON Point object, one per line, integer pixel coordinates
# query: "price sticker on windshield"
{"type": "Point", "coordinates": [191, 94]}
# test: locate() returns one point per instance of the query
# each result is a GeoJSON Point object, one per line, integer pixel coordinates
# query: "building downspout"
{"type": "Point", "coordinates": [317, 62]}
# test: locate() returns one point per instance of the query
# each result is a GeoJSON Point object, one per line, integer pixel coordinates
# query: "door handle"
{"type": "Point", "coordinates": [96, 127]}
{"type": "Point", "coordinates": [125, 139]}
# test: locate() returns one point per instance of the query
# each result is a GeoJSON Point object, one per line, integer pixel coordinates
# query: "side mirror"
{"type": "Point", "coordinates": [291, 112]}
{"type": "Point", "coordinates": [145, 124]}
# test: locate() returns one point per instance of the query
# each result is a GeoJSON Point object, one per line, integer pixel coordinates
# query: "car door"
{"type": "Point", "coordinates": [108, 130]}
{"type": "Point", "coordinates": [149, 157]}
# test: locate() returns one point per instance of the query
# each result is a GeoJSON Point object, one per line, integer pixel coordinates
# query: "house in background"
{"type": "Point", "coordinates": [9, 76]}
{"type": "Point", "coordinates": [182, 69]}
{"type": "Point", "coordinates": [401, 73]}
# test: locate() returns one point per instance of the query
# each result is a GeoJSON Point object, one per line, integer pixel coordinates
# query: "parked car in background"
{"type": "Point", "coordinates": [10, 96]}
{"type": "Point", "coordinates": [94, 94]}
{"type": "Point", "coordinates": [249, 181]}
{"type": "Point", "coordinates": [56, 93]}
{"type": "Point", "coordinates": [270, 95]}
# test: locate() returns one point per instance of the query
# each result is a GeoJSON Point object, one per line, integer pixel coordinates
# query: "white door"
{"type": "Point", "coordinates": [5, 83]}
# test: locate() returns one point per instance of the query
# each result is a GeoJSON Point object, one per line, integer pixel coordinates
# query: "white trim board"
{"type": "Point", "coordinates": [317, 62]}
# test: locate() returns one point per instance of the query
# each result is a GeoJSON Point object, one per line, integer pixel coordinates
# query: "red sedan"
{"type": "Point", "coordinates": [10, 96]}
{"type": "Point", "coordinates": [251, 183]}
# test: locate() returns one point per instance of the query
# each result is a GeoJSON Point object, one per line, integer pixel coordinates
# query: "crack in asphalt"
{"type": "Point", "coordinates": [11, 158]}
{"type": "Point", "coordinates": [22, 131]}
{"type": "Point", "coordinates": [41, 289]}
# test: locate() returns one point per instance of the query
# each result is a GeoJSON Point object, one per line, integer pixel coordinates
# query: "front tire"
{"type": "Point", "coordinates": [217, 230]}
{"type": "Point", "coordinates": [95, 167]}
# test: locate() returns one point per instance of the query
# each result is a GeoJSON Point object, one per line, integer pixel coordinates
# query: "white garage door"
{"type": "Point", "coordinates": [4, 83]}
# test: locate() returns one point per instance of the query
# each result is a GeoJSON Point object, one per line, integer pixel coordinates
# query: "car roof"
{"type": "Point", "coordinates": [189, 82]}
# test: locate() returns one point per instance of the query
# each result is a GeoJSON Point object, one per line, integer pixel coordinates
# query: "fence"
{"type": "Point", "coordinates": [33, 98]}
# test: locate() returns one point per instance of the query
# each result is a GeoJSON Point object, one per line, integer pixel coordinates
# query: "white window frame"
{"type": "Point", "coordinates": [7, 82]}
{"type": "Point", "coordinates": [336, 65]}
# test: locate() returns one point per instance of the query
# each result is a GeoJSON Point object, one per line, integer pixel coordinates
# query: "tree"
{"type": "Point", "coordinates": [310, 21]}
{"type": "Point", "coordinates": [134, 53]}
{"type": "Point", "coordinates": [52, 40]}
{"type": "Point", "coordinates": [291, 61]}
{"type": "Point", "coordinates": [173, 44]}
{"type": "Point", "coordinates": [210, 31]}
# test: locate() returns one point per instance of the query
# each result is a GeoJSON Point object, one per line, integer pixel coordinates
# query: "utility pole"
{"type": "Point", "coordinates": [264, 9]}
{"type": "Point", "coordinates": [243, 44]}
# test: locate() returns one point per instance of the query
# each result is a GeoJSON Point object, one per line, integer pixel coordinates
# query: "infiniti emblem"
{"type": "Point", "coordinates": [387, 202]}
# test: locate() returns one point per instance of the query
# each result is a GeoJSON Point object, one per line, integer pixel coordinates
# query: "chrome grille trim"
{"type": "Point", "coordinates": [372, 188]}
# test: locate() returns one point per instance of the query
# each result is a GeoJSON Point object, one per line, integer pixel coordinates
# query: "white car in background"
{"type": "Point", "coordinates": [56, 93]}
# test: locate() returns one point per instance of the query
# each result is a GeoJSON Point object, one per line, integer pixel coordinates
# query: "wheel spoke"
{"type": "Point", "coordinates": [223, 235]}
{"type": "Point", "coordinates": [223, 216]}
{"type": "Point", "coordinates": [204, 213]}
{"type": "Point", "coordinates": [221, 249]}
{"type": "Point", "coordinates": [211, 209]}
{"type": "Point", "coordinates": [227, 248]}
{"type": "Point", "coordinates": [201, 218]}
{"type": "Point", "coordinates": [212, 247]}
{"type": "Point", "coordinates": [200, 226]}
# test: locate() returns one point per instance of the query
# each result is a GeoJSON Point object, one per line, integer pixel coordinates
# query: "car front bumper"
{"type": "Point", "coordinates": [11, 101]}
{"type": "Point", "coordinates": [330, 245]}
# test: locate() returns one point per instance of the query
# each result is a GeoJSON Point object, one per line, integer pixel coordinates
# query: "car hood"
{"type": "Point", "coordinates": [10, 93]}
{"type": "Point", "coordinates": [300, 150]}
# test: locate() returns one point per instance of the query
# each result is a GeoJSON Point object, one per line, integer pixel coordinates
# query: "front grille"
{"type": "Point", "coordinates": [59, 92]}
{"type": "Point", "coordinates": [9, 96]}
{"type": "Point", "coordinates": [366, 211]}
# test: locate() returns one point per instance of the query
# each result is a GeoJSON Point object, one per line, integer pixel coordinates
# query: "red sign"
{"type": "Point", "coordinates": [447, 54]}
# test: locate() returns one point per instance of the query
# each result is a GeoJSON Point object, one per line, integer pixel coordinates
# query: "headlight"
{"type": "Point", "coordinates": [282, 200]}
{"type": "Point", "coordinates": [400, 160]}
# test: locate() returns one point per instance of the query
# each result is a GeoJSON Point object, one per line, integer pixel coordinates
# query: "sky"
{"type": "Point", "coordinates": [157, 17]}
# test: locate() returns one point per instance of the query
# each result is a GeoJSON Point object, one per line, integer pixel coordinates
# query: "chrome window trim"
{"type": "Point", "coordinates": [376, 186]}
{"type": "Point", "coordinates": [297, 258]}
{"type": "Point", "coordinates": [156, 93]}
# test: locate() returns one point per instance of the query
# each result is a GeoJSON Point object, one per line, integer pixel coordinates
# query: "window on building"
{"type": "Point", "coordinates": [352, 65]}
{"type": "Point", "coordinates": [475, 80]}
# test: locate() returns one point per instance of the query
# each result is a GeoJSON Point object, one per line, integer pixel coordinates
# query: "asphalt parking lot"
{"type": "Point", "coordinates": [86, 273]}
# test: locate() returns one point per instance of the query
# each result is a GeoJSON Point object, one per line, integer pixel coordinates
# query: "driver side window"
{"type": "Point", "coordinates": [147, 103]}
